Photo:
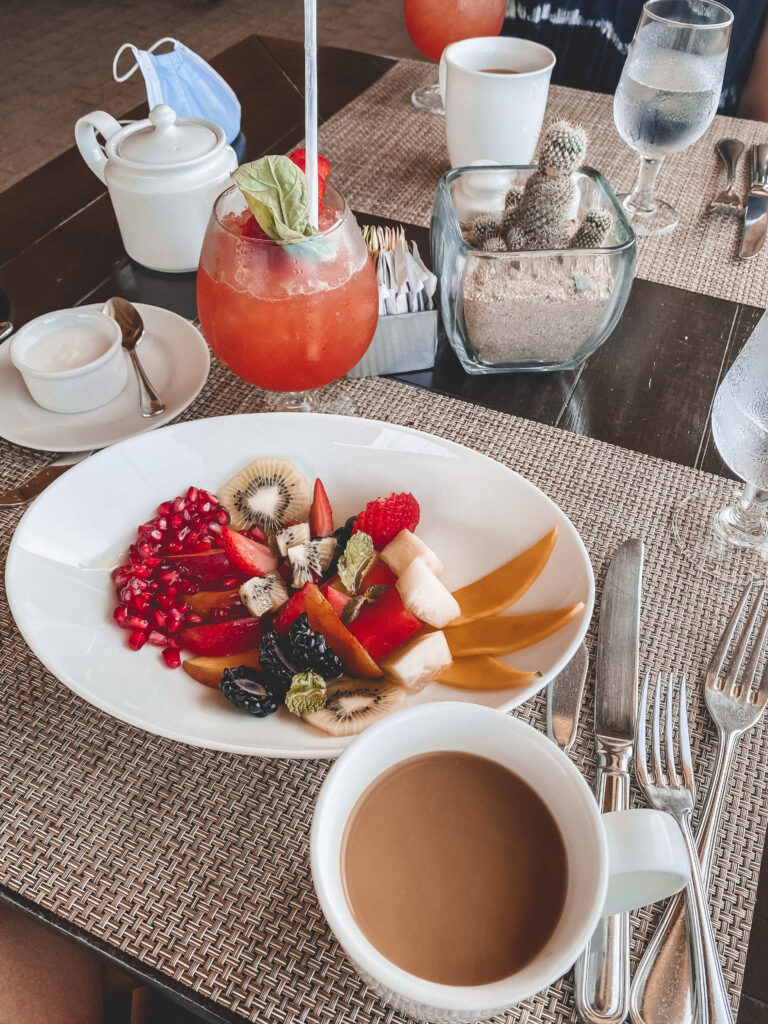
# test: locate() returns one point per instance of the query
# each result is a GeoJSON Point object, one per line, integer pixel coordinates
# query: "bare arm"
{"type": "Point", "coordinates": [754, 100]}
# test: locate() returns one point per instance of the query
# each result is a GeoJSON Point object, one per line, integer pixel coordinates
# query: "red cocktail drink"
{"type": "Point", "coordinates": [433, 24]}
{"type": "Point", "coordinates": [288, 317]}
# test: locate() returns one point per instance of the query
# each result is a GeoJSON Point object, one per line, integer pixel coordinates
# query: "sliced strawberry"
{"type": "Point", "coordinates": [220, 638]}
{"type": "Point", "coordinates": [202, 567]}
{"type": "Point", "coordinates": [335, 598]}
{"type": "Point", "coordinates": [323, 619]}
{"type": "Point", "coordinates": [383, 518]}
{"type": "Point", "coordinates": [295, 606]}
{"type": "Point", "coordinates": [299, 157]}
{"type": "Point", "coordinates": [320, 516]}
{"type": "Point", "coordinates": [249, 556]}
{"type": "Point", "coordinates": [382, 626]}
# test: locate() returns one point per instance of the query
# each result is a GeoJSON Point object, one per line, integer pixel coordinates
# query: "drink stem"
{"type": "Point", "coordinates": [641, 199]}
{"type": "Point", "coordinates": [744, 522]}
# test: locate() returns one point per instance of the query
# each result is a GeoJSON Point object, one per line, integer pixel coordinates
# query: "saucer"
{"type": "Point", "coordinates": [176, 358]}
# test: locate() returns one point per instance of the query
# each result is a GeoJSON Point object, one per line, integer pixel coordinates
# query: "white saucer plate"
{"type": "Point", "coordinates": [177, 361]}
{"type": "Point", "coordinates": [475, 513]}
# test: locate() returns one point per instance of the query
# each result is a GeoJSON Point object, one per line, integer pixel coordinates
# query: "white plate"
{"type": "Point", "coordinates": [476, 515]}
{"type": "Point", "coordinates": [176, 358]}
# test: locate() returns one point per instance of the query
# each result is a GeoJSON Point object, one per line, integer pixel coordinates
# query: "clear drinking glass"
{"type": "Point", "coordinates": [668, 94]}
{"type": "Point", "coordinates": [734, 544]}
{"type": "Point", "coordinates": [433, 24]}
{"type": "Point", "coordinates": [289, 318]}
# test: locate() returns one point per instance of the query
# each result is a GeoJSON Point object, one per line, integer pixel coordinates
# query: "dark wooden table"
{"type": "Point", "coordinates": [649, 389]}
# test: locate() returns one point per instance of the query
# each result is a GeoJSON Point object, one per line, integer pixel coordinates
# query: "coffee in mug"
{"type": "Point", "coordinates": [494, 92]}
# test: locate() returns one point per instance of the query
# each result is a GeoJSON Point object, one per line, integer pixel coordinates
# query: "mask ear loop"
{"type": "Point", "coordinates": [165, 39]}
{"type": "Point", "coordinates": [130, 71]}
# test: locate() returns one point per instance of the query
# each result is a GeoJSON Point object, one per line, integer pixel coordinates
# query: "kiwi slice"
{"type": "Point", "coordinates": [264, 594]}
{"type": "Point", "coordinates": [267, 493]}
{"type": "Point", "coordinates": [354, 704]}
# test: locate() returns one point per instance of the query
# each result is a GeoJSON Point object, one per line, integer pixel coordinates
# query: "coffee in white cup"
{"type": "Point", "coordinates": [494, 91]}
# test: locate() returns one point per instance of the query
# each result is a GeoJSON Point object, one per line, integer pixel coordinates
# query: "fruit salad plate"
{"type": "Point", "coordinates": [475, 514]}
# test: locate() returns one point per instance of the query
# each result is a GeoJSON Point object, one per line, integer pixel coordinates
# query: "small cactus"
{"type": "Point", "coordinates": [593, 230]}
{"type": "Point", "coordinates": [542, 215]}
{"type": "Point", "coordinates": [513, 197]}
{"type": "Point", "coordinates": [508, 219]}
{"type": "Point", "coordinates": [483, 228]}
{"type": "Point", "coordinates": [515, 239]}
{"type": "Point", "coordinates": [493, 244]}
{"type": "Point", "coordinates": [563, 148]}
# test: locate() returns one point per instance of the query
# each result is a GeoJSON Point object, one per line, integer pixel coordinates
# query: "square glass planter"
{"type": "Point", "coordinates": [532, 310]}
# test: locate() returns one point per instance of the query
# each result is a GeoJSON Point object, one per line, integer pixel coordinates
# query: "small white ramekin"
{"type": "Point", "coordinates": [83, 387]}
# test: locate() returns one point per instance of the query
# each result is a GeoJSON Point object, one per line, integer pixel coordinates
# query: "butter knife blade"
{"type": "Point", "coordinates": [602, 971]}
{"type": "Point", "coordinates": [756, 207]}
{"type": "Point", "coordinates": [564, 700]}
{"type": "Point", "coordinates": [36, 484]}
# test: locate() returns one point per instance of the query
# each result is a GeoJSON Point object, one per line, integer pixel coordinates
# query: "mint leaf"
{"type": "Point", "coordinates": [277, 193]}
{"type": "Point", "coordinates": [354, 604]}
{"type": "Point", "coordinates": [355, 560]}
{"type": "Point", "coordinates": [307, 693]}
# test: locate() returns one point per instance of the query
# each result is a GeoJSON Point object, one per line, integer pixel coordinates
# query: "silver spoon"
{"type": "Point", "coordinates": [132, 326]}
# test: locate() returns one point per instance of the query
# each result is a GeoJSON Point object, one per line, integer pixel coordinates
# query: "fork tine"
{"type": "Point", "coordinates": [730, 681]}
{"type": "Point", "coordinates": [673, 779]}
{"type": "Point", "coordinates": [655, 736]}
{"type": "Point", "coordinates": [641, 765]}
{"type": "Point", "coordinates": [685, 741]}
{"type": "Point", "coordinates": [718, 658]}
{"type": "Point", "coordinates": [757, 648]}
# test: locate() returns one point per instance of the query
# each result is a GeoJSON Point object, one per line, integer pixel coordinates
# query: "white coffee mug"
{"type": "Point", "coordinates": [494, 116]}
{"type": "Point", "coordinates": [616, 862]}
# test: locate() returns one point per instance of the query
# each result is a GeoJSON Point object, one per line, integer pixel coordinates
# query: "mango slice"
{"type": "Point", "coordinates": [323, 619]}
{"type": "Point", "coordinates": [209, 671]}
{"type": "Point", "coordinates": [499, 589]}
{"type": "Point", "coordinates": [502, 634]}
{"type": "Point", "coordinates": [481, 672]}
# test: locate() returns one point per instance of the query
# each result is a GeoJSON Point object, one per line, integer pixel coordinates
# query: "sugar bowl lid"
{"type": "Point", "coordinates": [165, 141]}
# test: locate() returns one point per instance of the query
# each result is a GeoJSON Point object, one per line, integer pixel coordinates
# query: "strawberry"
{"type": "Point", "coordinates": [299, 157]}
{"type": "Point", "coordinates": [320, 516]}
{"type": "Point", "coordinates": [335, 598]}
{"type": "Point", "coordinates": [383, 518]}
{"type": "Point", "coordinates": [295, 606]}
{"type": "Point", "coordinates": [220, 638]}
{"type": "Point", "coordinates": [249, 556]}
{"type": "Point", "coordinates": [382, 626]}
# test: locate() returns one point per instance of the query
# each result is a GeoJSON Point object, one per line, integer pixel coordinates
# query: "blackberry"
{"type": "Point", "coordinates": [274, 662]}
{"type": "Point", "coordinates": [309, 650]}
{"type": "Point", "coordinates": [343, 534]}
{"type": "Point", "coordinates": [250, 690]}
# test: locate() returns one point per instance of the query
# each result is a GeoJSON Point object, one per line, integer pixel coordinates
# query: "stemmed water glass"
{"type": "Point", "coordinates": [433, 24]}
{"type": "Point", "coordinates": [668, 94]}
{"type": "Point", "coordinates": [734, 544]}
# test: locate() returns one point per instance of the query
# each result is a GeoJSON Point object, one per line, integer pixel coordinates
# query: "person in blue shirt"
{"type": "Point", "coordinates": [591, 38]}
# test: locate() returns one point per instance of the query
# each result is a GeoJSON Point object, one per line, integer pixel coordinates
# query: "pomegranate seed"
{"type": "Point", "coordinates": [178, 504]}
{"type": "Point", "coordinates": [153, 561]}
{"type": "Point", "coordinates": [154, 585]}
{"type": "Point", "coordinates": [193, 618]}
{"type": "Point", "coordinates": [172, 627]}
{"type": "Point", "coordinates": [161, 523]}
{"type": "Point", "coordinates": [146, 528]}
{"type": "Point", "coordinates": [157, 639]}
{"type": "Point", "coordinates": [169, 576]}
{"type": "Point", "coordinates": [171, 591]}
{"type": "Point", "coordinates": [187, 587]}
{"type": "Point", "coordinates": [223, 516]}
{"type": "Point", "coordinates": [142, 571]}
{"type": "Point", "coordinates": [156, 536]}
{"type": "Point", "coordinates": [120, 615]}
{"type": "Point", "coordinates": [141, 602]}
{"type": "Point", "coordinates": [215, 528]}
{"type": "Point", "coordinates": [182, 535]}
{"type": "Point", "coordinates": [228, 582]}
{"type": "Point", "coordinates": [137, 622]}
{"type": "Point", "coordinates": [164, 509]}
{"type": "Point", "coordinates": [171, 657]}
{"type": "Point", "coordinates": [174, 548]}
{"type": "Point", "coordinates": [165, 601]}
{"type": "Point", "coordinates": [137, 639]}
{"type": "Point", "coordinates": [256, 534]}
{"type": "Point", "coordinates": [175, 521]}
{"type": "Point", "coordinates": [192, 494]}
{"type": "Point", "coordinates": [159, 617]}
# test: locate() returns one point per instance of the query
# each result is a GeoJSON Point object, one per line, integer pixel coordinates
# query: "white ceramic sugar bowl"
{"type": "Point", "coordinates": [163, 175]}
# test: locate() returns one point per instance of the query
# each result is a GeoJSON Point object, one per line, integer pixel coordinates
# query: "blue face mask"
{"type": "Point", "coordinates": [186, 82]}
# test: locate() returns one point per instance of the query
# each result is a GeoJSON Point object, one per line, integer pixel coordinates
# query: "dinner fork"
{"type": "Point", "coordinates": [674, 791]}
{"type": "Point", "coordinates": [727, 201]}
{"type": "Point", "coordinates": [661, 988]}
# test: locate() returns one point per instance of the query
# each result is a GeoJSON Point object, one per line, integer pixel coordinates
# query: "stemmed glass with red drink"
{"type": "Point", "coordinates": [433, 24]}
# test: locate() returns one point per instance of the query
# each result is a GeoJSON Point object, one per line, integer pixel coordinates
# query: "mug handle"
{"type": "Point", "coordinates": [85, 137]}
{"type": "Point", "coordinates": [647, 859]}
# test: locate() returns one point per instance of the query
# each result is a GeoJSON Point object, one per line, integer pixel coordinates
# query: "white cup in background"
{"type": "Point", "coordinates": [494, 116]}
{"type": "Point", "coordinates": [616, 862]}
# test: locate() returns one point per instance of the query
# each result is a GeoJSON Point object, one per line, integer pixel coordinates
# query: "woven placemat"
{"type": "Point", "coordinates": [196, 863]}
{"type": "Point", "coordinates": [388, 157]}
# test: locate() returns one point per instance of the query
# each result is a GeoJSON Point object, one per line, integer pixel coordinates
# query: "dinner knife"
{"type": "Point", "coordinates": [602, 971]}
{"type": "Point", "coordinates": [36, 484]}
{"type": "Point", "coordinates": [756, 208]}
